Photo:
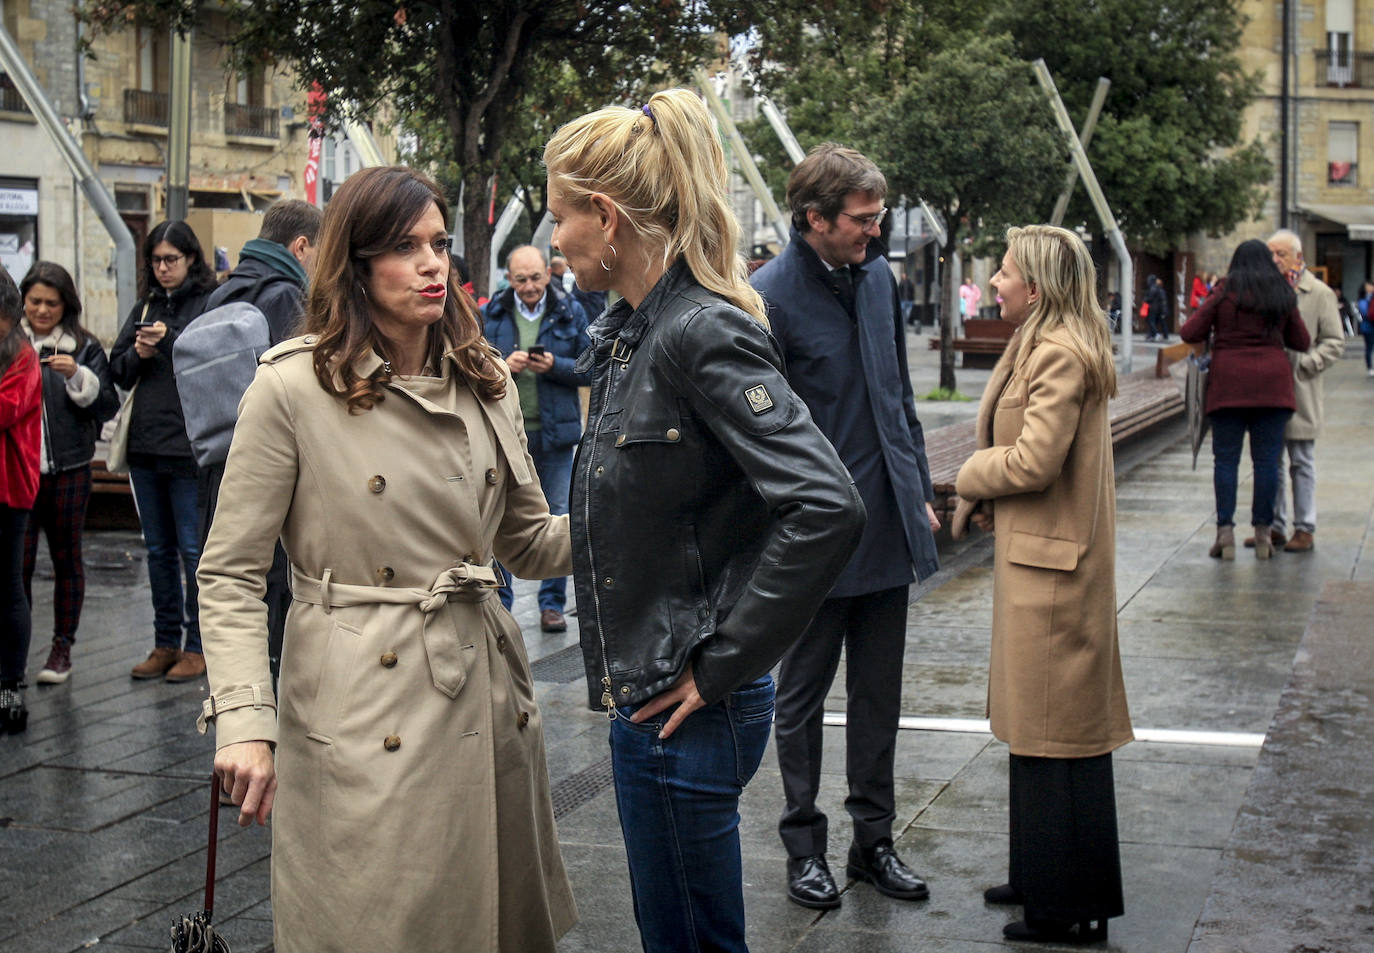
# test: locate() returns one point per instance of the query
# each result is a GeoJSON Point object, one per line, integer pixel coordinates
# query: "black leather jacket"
{"type": "Point", "coordinates": [709, 514]}
{"type": "Point", "coordinates": [69, 430]}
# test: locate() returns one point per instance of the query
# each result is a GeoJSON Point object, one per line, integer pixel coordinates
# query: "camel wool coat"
{"type": "Point", "coordinates": [1054, 685]}
{"type": "Point", "coordinates": [412, 809]}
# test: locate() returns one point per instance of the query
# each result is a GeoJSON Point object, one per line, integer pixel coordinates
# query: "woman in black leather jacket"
{"type": "Point", "coordinates": [162, 469]}
{"type": "Point", "coordinates": [709, 514]}
{"type": "Point", "coordinates": [78, 397]}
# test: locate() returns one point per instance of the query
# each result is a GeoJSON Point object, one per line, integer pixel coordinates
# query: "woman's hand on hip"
{"type": "Point", "coordinates": [683, 693]}
{"type": "Point", "coordinates": [247, 770]}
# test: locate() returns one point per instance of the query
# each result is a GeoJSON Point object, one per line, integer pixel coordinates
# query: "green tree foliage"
{"type": "Point", "coordinates": [1168, 149]}
{"type": "Point", "coordinates": [492, 78]}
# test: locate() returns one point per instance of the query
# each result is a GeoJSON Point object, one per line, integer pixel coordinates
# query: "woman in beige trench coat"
{"type": "Point", "coordinates": [409, 792]}
{"type": "Point", "coordinates": [1055, 692]}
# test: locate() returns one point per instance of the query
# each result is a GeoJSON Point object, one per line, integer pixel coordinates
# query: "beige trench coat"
{"type": "Point", "coordinates": [1054, 684]}
{"type": "Point", "coordinates": [413, 809]}
{"type": "Point", "coordinates": [1320, 312]}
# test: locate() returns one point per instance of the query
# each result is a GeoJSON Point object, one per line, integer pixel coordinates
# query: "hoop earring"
{"type": "Point", "coordinates": [615, 258]}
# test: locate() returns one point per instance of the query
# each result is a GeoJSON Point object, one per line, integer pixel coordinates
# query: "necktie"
{"type": "Point", "coordinates": [844, 288]}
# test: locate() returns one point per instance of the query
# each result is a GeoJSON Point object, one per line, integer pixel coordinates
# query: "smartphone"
{"type": "Point", "coordinates": [536, 351]}
{"type": "Point", "coordinates": [145, 321]}
{"type": "Point", "coordinates": [46, 351]}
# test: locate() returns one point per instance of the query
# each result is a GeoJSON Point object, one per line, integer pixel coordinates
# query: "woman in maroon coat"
{"type": "Point", "coordinates": [1250, 317]}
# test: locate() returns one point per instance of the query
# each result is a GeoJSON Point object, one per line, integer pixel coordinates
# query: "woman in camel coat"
{"type": "Point", "coordinates": [411, 797]}
{"type": "Point", "coordinates": [1043, 480]}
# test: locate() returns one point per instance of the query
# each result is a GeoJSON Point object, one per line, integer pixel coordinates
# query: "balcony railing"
{"type": "Point", "coordinates": [10, 100]}
{"type": "Point", "coordinates": [257, 121]}
{"type": "Point", "coordinates": [146, 108]}
{"type": "Point", "coordinates": [1355, 70]}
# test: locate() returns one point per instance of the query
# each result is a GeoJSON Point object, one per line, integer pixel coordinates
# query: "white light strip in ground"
{"type": "Point", "coordinates": [1227, 739]}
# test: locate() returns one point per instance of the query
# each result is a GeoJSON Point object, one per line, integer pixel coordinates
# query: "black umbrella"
{"type": "Point", "coordinates": [1195, 400]}
{"type": "Point", "coordinates": [194, 934]}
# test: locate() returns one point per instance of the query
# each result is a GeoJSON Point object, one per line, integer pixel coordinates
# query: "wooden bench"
{"type": "Point", "coordinates": [112, 498]}
{"type": "Point", "coordinates": [983, 341]}
{"type": "Point", "coordinates": [1142, 401]}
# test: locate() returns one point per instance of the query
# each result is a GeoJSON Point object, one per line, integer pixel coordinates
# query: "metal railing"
{"type": "Point", "coordinates": [147, 108]}
{"type": "Point", "coordinates": [1354, 70]}
{"type": "Point", "coordinates": [244, 120]}
{"type": "Point", "coordinates": [10, 100]}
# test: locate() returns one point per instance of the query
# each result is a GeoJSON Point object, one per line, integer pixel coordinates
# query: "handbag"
{"type": "Point", "coordinates": [1144, 309]}
{"type": "Point", "coordinates": [117, 457]}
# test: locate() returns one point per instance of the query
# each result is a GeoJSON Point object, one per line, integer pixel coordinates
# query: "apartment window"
{"type": "Point", "coordinates": [1342, 153]}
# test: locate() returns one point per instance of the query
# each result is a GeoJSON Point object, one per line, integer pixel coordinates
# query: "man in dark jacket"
{"type": "Point", "coordinates": [540, 331]}
{"type": "Point", "coordinates": [272, 274]}
{"type": "Point", "coordinates": [833, 306]}
{"type": "Point", "coordinates": [1157, 297]}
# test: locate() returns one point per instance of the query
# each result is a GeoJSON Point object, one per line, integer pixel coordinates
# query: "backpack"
{"type": "Point", "coordinates": [215, 358]}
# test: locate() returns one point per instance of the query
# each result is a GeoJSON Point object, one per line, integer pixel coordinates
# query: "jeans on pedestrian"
{"type": "Point", "coordinates": [1369, 351]}
{"type": "Point", "coordinates": [15, 627]}
{"type": "Point", "coordinates": [555, 476]}
{"type": "Point", "coordinates": [679, 812]}
{"type": "Point", "coordinates": [1159, 324]}
{"type": "Point", "coordinates": [1302, 472]}
{"type": "Point", "coordinates": [165, 496]}
{"type": "Point", "coordinates": [1229, 427]}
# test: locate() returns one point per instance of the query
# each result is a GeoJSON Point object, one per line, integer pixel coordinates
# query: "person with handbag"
{"type": "Point", "coordinates": [176, 283]}
{"type": "Point", "coordinates": [1366, 325]}
{"type": "Point", "coordinates": [21, 415]}
{"type": "Point", "coordinates": [403, 760]}
{"type": "Point", "coordinates": [1042, 480]}
{"type": "Point", "coordinates": [78, 397]}
{"type": "Point", "coordinates": [1250, 317]}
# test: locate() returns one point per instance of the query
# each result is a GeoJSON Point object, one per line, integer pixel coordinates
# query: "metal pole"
{"type": "Point", "coordinates": [1085, 136]}
{"type": "Point", "coordinates": [509, 215]}
{"type": "Point", "coordinates": [179, 129]}
{"type": "Point", "coordinates": [784, 131]}
{"type": "Point", "coordinates": [126, 256]}
{"type": "Point", "coordinates": [1284, 121]}
{"type": "Point", "coordinates": [369, 153]}
{"type": "Point", "coordinates": [744, 158]}
{"type": "Point", "coordinates": [1104, 211]}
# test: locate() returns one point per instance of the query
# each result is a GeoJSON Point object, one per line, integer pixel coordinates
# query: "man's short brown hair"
{"type": "Point", "coordinates": [286, 220]}
{"type": "Point", "coordinates": [821, 181]}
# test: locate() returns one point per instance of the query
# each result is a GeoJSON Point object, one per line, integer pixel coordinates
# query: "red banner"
{"type": "Point", "coordinates": [315, 104]}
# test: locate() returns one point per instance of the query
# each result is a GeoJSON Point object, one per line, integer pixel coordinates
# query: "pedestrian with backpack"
{"type": "Point", "coordinates": [216, 357]}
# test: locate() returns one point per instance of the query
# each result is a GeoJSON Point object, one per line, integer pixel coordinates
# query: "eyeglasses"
{"type": "Point", "coordinates": [526, 279]}
{"type": "Point", "coordinates": [169, 260]}
{"type": "Point", "coordinates": [869, 221]}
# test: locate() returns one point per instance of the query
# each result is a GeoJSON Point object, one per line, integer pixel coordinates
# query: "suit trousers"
{"type": "Point", "coordinates": [871, 629]}
{"type": "Point", "coordinates": [1302, 470]}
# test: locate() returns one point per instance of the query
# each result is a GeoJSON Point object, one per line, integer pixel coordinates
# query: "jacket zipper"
{"type": "Point", "coordinates": [606, 697]}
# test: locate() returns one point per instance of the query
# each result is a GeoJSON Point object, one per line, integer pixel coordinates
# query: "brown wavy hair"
{"type": "Point", "coordinates": [372, 212]}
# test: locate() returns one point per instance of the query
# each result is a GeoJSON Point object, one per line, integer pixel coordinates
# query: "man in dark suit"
{"type": "Point", "coordinates": [833, 305]}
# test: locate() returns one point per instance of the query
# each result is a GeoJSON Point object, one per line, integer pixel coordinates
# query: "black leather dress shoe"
{"type": "Point", "coordinates": [1005, 893]}
{"type": "Point", "coordinates": [810, 884]}
{"type": "Point", "coordinates": [881, 867]}
{"type": "Point", "coordinates": [1055, 931]}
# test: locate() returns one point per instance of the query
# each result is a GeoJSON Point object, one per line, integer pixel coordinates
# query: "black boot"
{"type": "Point", "coordinates": [1056, 931]}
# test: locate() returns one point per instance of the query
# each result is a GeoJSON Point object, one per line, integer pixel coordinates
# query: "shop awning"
{"type": "Point", "coordinates": [1357, 219]}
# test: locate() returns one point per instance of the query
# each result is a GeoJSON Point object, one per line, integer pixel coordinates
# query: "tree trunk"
{"type": "Point", "coordinates": [949, 310]}
{"type": "Point", "coordinates": [476, 231]}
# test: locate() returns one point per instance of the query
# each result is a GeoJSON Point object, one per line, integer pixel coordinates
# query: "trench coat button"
{"type": "Point", "coordinates": [392, 742]}
{"type": "Point", "coordinates": [524, 719]}
{"type": "Point", "coordinates": [388, 660]}
{"type": "Point", "coordinates": [619, 440]}
{"type": "Point", "coordinates": [608, 583]}
{"type": "Point", "coordinates": [491, 476]}
{"type": "Point", "coordinates": [673, 433]}
{"type": "Point", "coordinates": [377, 484]}
{"type": "Point", "coordinates": [385, 574]}
{"type": "Point", "coordinates": [501, 644]}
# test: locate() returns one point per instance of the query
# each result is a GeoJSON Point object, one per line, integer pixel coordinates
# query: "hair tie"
{"type": "Point", "coordinates": [650, 113]}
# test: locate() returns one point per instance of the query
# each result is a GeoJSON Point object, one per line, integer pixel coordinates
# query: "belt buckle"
{"type": "Point", "coordinates": [620, 351]}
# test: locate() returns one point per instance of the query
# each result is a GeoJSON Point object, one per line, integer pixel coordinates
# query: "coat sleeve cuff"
{"type": "Point", "coordinates": [247, 714]}
{"type": "Point", "coordinates": [83, 387]}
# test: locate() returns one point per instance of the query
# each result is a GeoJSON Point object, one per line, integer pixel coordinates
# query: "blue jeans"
{"type": "Point", "coordinates": [1229, 427]}
{"type": "Point", "coordinates": [555, 476]}
{"type": "Point", "coordinates": [165, 495]}
{"type": "Point", "coordinates": [679, 812]}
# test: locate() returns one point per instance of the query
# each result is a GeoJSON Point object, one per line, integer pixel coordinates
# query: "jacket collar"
{"type": "Point", "coordinates": [630, 325]}
{"type": "Point", "coordinates": [59, 338]}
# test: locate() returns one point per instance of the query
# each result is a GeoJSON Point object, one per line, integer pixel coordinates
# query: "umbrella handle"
{"type": "Point", "coordinates": [214, 842]}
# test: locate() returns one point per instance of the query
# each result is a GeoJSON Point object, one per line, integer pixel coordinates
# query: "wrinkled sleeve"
{"type": "Point", "coordinates": [530, 542]}
{"type": "Point", "coordinates": [1328, 344]}
{"type": "Point", "coordinates": [817, 514]}
{"type": "Point", "coordinates": [254, 499]}
{"type": "Point", "coordinates": [1054, 401]}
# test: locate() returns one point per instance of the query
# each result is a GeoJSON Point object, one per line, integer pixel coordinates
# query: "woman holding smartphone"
{"type": "Point", "coordinates": [176, 283]}
{"type": "Point", "coordinates": [78, 396]}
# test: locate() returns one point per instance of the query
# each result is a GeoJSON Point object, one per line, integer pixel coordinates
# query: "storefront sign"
{"type": "Point", "coordinates": [18, 201]}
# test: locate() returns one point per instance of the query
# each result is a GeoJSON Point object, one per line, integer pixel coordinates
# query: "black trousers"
{"type": "Point", "coordinates": [1065, 854]}
{"type": "Point", "coordinates": [872, 631]}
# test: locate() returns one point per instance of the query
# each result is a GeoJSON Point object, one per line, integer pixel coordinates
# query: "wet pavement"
{"type": "Point", "coordinates": [103, 802]}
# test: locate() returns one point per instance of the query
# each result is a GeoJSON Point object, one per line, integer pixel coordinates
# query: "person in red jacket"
{"type": "Point", "coordinates": [1250, 317]}
{"type": "Point", "coordinates": [21, 414]}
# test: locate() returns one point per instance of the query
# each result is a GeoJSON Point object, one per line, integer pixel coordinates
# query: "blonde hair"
{"type": "Point", "coordinates": [1056, 263]}
{"type": "Point", "coordinates": [664, 169]}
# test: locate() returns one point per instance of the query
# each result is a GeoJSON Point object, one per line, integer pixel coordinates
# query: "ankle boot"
{"type": "Point", "coordinates": [1225, 546]}
{"type": "Point", "coordinates": [1264, 545]}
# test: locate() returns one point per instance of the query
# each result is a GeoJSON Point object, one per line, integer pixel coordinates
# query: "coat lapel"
{"type": "Point", "coordinates": [997, 383]}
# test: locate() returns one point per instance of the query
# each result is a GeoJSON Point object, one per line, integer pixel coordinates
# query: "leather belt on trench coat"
{"type": "Point", "coordinates": [464, 583]}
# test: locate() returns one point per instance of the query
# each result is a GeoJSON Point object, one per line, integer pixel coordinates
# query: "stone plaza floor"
{"type": "Point", "coordinates": [103, 801]}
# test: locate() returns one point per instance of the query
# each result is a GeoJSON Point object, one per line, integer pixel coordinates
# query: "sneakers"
{"type": "Point", "coordinates": [58, 666]}
{"type": "Point", "coordinates": [14, 717]}
{"type": "Point", "coordinates": [156, 665]}
{"type": "Point", "coordinates": [190, 666]}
